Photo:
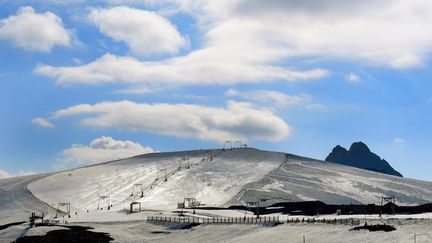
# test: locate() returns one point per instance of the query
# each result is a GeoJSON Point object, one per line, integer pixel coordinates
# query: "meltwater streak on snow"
{"type": "Point", "coordinates": [214, 177]}
{"type": "Point", "coordinates": [306, 179]}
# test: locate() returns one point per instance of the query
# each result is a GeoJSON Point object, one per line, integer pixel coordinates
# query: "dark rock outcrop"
{"type": "Point", "coordinates": [360, 156]}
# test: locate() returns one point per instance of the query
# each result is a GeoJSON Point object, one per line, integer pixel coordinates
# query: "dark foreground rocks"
{"type": "Point", "coordinates": [376, 227]}
{"type": "Point", "coordinates": [72, 234]}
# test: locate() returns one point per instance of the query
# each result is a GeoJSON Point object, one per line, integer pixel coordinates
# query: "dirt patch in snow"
{"type": "Point", "coordinates": [72, 234]}
{"type": "Point", "coordinates": [376, 227]}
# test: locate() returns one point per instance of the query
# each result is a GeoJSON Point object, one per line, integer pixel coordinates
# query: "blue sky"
{"type": "Point", "coordinates": [83, 83]}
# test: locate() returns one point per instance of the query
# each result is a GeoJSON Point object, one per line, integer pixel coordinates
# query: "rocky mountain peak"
{"type": "Point", "coordinates": [359, 155]}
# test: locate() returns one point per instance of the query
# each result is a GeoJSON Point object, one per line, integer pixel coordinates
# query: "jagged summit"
{"type": "Point", "coordinates": [360, 156]}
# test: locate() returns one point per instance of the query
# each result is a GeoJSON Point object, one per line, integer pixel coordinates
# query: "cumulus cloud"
{"type": "Point", "coordinates": [26, 172]}
{"type": "Point", "coordinates": [243, 41]}
{"type": "Point", "coordinates": [188, 70]}
{"type": "Point", "coordinates": [316, 106]}
{"type": "Point", "coordinates": [235, 50]}
{"type": "Point", "coordinates": [34, 31]}
{"type": "Point", "coordinates": [370, 31]}
{"type": "Point", "coordinates": [4, 174]}
{"type": "Point", "coordinates": [351, 77]}
{"type": "Point", "coordinates": [238, 120]}
{"type": "Point", "coordinates": [103, 149]}
{"type": "Point", "coordinates": [399, 141]}
{"type": "Point", "coordinates": [277, 99]}
{"type": "Point", "coordinates": [231, 92]}
{"type": "Point", "coordinates": [136, 90]}
{"type": "Point", "coordinates": [145, 32]}
{"type": "Point", "coordinates": [270, 97]}
{"type": "Point", "coordinates": [41, 122]}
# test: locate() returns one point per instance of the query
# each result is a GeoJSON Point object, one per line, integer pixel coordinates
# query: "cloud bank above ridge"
{"type": "Point", "coordinates": [238, 120]}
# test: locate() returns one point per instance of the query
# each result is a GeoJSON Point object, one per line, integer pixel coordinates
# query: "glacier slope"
{"type": "Point", "coordinates": [222, 178]}
{"type": "Point", "coordinates": [213, 177]}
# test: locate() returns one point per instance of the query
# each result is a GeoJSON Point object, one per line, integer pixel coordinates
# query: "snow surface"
{"type": "Point", "coordinates": [302, 179]}
{"type": "Point", "coordinates": [214, 177]}
{"type": "Point", "coordinates": [138, 231]}
{"type": "Point", "coordinates": [222, 178]}
{"type": "Point", "coordinates": [16, 203]}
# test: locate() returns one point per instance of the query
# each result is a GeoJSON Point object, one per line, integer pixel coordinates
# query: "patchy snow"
{"type": "Point", "coordinates": [307, 179]}
{"type": "Point", "coordinates": [211, 176]}
{"type": "Point", "coordinates": [139, 231]}
{"type": "Point", "coordinates": [218, 178]}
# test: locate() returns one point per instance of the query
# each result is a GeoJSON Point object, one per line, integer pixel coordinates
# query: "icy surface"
{"type": "Point", "coordinates": [16, 203]}
{"type": "Point", "coordinates": [213, 177]}
{"type": "Point", "coordinates": [222, 178]}
{"type": "Point", "coordinates": [216, 178]}
{"type": "Point", "coordinates": [305, 179]}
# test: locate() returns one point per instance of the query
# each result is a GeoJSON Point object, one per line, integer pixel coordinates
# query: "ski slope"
{"type": "Point", "coordinates": [213, 177]}
{"type": "Point", "coordinates": [305, 179]}
{"type": "Point", "coordinates": [222, 178]}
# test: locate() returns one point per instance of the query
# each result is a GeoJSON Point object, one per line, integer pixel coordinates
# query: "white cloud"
{"type": "Point", "coordinates": [188, 70]}
{"type": "Point", "coordinates": [35, 31]}
{"type": "Point", "coordinates": [270, 97]}
{"type": "Point", "coordinates": [243, 41]}
{"type": "Point", "coordinates": [231, 92]}
{"type": "Point", "coordinates": [316, 106]}
{"type": "Point", "coordinates": [136, 90]}
{"type": "Point", "coordinates": [351, 77]}
{"type": "Point", "coordinates": [235, 121]}
{"type": "Point", "coordinates": [76, 61]}
{"type": "Point", "coordinates": [26, 172]}
{"type": "Point", "coordinates": [145, 32]}
{"type": "Point", "coordinates": [4, 174]}
{"type": "Point", "coordinates": [103, 149]}
{"type": "Point", "coordinates": [399, 141]}
{"type": "Point", "coordinates": [233, 51]}
{"type": "Point", "coordinates": [41, 122]}
{"type": "Point", "coordinates": [371, 31]}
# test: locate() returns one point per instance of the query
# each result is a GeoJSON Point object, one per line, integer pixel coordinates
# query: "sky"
{"type": "Point", "coordinates": [83, 82]}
